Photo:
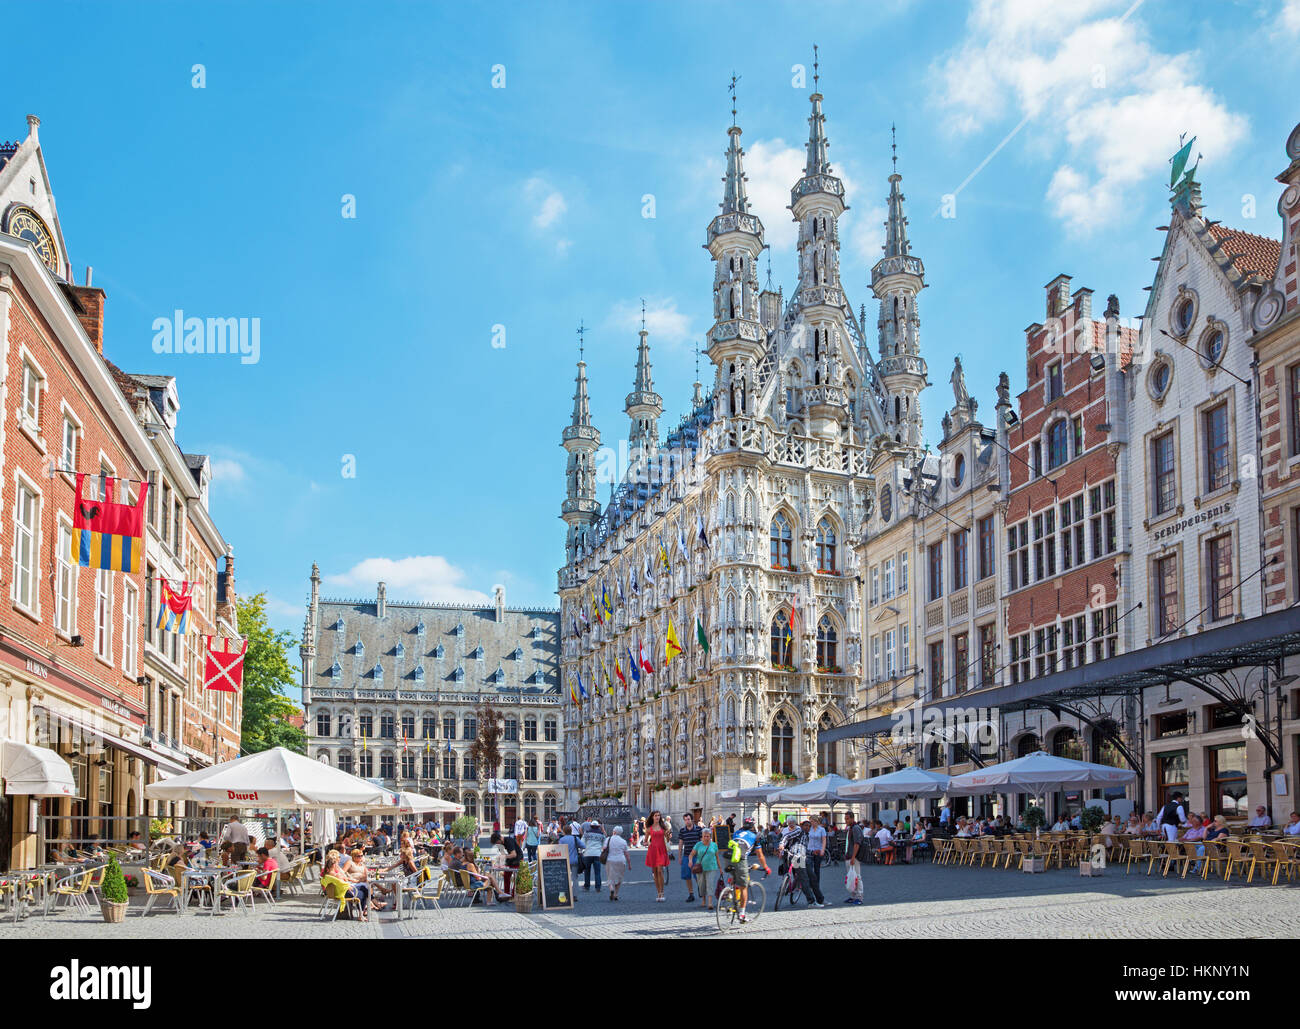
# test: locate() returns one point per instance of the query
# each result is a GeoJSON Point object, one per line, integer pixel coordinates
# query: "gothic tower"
{"type": "Point", "coordinates": [737, 339]}
{"type": "Point", "coordinates": [896, 280]}
{"type": "Point", "coordinates": [643, 406]}
{"type": "Point", "coordinates": [581, 439]}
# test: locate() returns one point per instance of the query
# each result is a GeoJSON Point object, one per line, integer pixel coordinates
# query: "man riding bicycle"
{"type": "Point", "coordinates": [738, 850]}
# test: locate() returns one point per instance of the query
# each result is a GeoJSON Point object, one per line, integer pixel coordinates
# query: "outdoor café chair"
{"type": "Point", "coordinates": [1238, 855]}
{"type": "Point", "coordinates": [1286, 858]}
{"type": "Point", "coordinates": [1136, 851]}
{"type": "Point", "coordinates": [1216, 856]}
{"type": "Point", "coordinates": [1261, 856]}
{"type": "Point", "coordinates": [1172, 851]}
{"type": "Point", "coordinates": [158, 886]}
{"type": "Point", "coordinates": [235, 888]}
{"type": "Point", "coordinates": [472, 886]}
{"type": "Point", "coordinates": [72, 889]}
{"type": "Point", "coordinates": [413, 891]}
{"type": "Point", "coordinates": [96, 881]}
{"type": "Point", "coordinates": [1190, 857]}
{"type": "Point", "coordinates": [267, 891]}
{"type": "Point", "coordinates": [337, 897]}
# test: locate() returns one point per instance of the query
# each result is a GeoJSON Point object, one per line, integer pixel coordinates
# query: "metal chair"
{"type": "Point", "coordinates": [73, 889]}
{"type": "Point", "coordinates": [156, 886]}
{"type": "Point", "coordinates": [235, 888]}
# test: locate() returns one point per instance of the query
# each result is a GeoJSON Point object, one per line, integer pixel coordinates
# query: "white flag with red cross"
{"type": "Point", "coordinates": [223, 668]}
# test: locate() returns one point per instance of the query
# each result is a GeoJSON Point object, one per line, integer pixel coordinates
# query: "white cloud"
{"type": "Point", "coordinates": [665, 324]}
{"type": "Point", "coordinates": [283, 609]}
{"type": "Point", "coordinates": [562, 247]}
{"type": "Point", "coordinates": [228, 472]}
{"type": "Point", "coordinates": [1095, 95]}
{"type": "Point", "coordinates": [427, 577]}
{"type": "Point", "coordinates": [547, 203]}
{"type": "Point", "coordinates": [773, 167]}
{"type": "Point", "coordinates": [1291, 16]}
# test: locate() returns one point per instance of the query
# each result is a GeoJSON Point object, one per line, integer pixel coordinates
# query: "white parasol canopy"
{"type": "Point", "coordinates": [825, 790]}
{"type": "Point", "coordinates": [32, 771]}
{"type": "Point", "coordinates": [906, 782]}
{"type": "Point", "coordinates": [270, 778]}
{"type": "Point", "coordinates": [1040, 773]}
{"type": "Point", "coordinates": [406, 802]}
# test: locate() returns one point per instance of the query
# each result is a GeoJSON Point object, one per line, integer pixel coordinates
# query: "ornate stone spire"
{"type": "Point", "coordinates": [581, 440]}
{"type": "Point", "coordinates": [818, 176]}
{"type": "Point", "coordinates": [643, 404]}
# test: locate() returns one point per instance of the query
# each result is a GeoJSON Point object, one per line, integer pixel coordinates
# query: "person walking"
{"type": "Point", "coordinates": [533, 838]}
{"type": "Point", "coordinates": [593, 848]}
{"type": "Point", "coordinates": [704, 866]}
{"type": "Point", "coordinates": [616, 861]}
{"type": "Point", "coordinates": [817, 845]}
{"type": "Point", "coordinates": [656, 855]}
{"type": "Point", "coordinates": [686, 840]}
{"type": "Point", "coordinates": [571, 841]}
{"type": "Point", "coordinates": [855, 849]}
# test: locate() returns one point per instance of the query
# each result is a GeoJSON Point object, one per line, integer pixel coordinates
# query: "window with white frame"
{"type": "Point", "coordinates": [904, 647]}
{"type": "Point", "coordinates": [1101, 511]}
{"type": "Point", "coordinates": [1020, 662]}
{"type": "Point", "coordinates": [130, 623]}
{"type": "Point", "coordinates": [104, 614]}
{"type": "Point", "coordinates": [1072, 542]}
{"type": "Point", "coordinates": [1044, 545]}
{"type": "Point", "coordinates": [71, 436]}
{"type": "Point", "coordinates": [26, 532]}
{"type": "Point", "coordinates": [902, 572]}
{"type": "Point", "coordinates": [875, 585]}
{"type": "Point", "coordinates": [875, 658]}
{"type": "Point", "coordinates": [891, 653]}
{"type": "Point", "coordinates": [65, 587]}
{"type": "Point", "coordinates": [33, 385]}
{"type": "Point", "coordinates": [888, 576]}
{"type": "Point", "coordinates": [1018, 556]}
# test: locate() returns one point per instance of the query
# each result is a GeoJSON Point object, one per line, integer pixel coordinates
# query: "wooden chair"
{"type": "Point", "coordinates": [1216, 857]}
{"type": "Point", "coordinates": [158, 886]}
{"type": "Point", "coordinates": [1190, 857]}
{"type": "Point", "coordinates": [235, 888]}
{"type": "Point", "coordinates": [942, 849]}
{"type": "Point", "coordinates": [1173, 853]}
{"type": "Point", "coordinates": [472, 887]}
{"type": "Point", "coordinates": [1238, 855]}
{"type": "Point", "coordinates": [1135, 852]}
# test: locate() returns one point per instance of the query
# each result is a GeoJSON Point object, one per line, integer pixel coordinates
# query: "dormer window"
{"type": "Point", "coordinates": [377, 673]}
{"type": "Point", "coordinates": [419, 675]}
{"type": "Point", "coordinates": [519, 653]}
{"type": "Point", "coordinates": [459, 630]}
{"type": "Point", "coordinates": [336, 671]}
{"type": "Point", "coordinates": [477, 654]}
{"type": "Point", "coordinates": [399, 650]}
{"type": "Point", "coordinates": [499, 675]}
{"type": "Point", "coordinates": [459, 674]}
{"type": "Point", "coordinates": [359, 649]}
{"type": "Point", "coordinates": [438, 652]}
{"type": "Point", "coordinates": [338, 626]}
{"type": "Point", "coordinates": [420, 628]}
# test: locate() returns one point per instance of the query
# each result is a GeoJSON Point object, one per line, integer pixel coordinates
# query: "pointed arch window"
{"type": "Point", "coordinates": [827, 759]}
{"type": "Point", "coordinates": [827, 643]}
{"type": "Point", "coordinates": [825, 546]}
{"type": "Point", "coordinates": [782, 540]}
{"type": "Point", "coordinates": [782, 640]}
{"type": "Point", "coordinates": [782, 748]}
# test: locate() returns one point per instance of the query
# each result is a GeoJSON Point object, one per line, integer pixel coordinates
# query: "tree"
{"type": "Point", "coordinates": [267, 672]}
{"type": "Point", "coordinates": [485, 750]}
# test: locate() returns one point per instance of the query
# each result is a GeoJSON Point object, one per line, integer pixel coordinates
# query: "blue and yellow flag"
{"type": "Point", "coordinates": [106, 534]}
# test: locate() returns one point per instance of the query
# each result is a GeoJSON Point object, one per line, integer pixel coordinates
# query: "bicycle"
{"type": "Point", "coordinates": [789, 888]}
{"type": "Point", "coordinates": [727, 907]}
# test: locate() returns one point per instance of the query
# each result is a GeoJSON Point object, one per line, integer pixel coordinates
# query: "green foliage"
{"type": "Point", "coordinates": [267, 673]}
{"type": "Point", "coordinates": [485, 749]}
{"type": "Point", "coordinates": [524, 878]}
{"type": "Point", "coordinates": [1091, 818]}
{"type": "Point", "coordinates": [159, 827]}
{"type": "Point", "coordinates": [114, 887]}
{"type": "Point", "coordinates": [462, 827]}
{"type": "Point", "coordinates": [1035, 817]}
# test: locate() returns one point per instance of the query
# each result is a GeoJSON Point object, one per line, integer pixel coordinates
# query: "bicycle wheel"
{"type": "Point", "coordinates": [726, 910]}
{"type": "Point", "coordinates": [781, 894]}
{"type": "Point", "coordinates": [757, 901]}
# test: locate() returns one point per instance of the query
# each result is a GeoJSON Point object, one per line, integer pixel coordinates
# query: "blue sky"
{"type": "Point", "coordinates": [522, 207]}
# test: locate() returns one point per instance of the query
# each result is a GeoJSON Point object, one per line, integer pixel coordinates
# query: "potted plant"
{"type": "Point", "coordinates": [115, 900]}
{"type": "Point", "coordinates": [1035, 818]}
{"type": "Point", "coordinates": [1091, 818]}
{"type": "Point", "coordinates": [524, 888]}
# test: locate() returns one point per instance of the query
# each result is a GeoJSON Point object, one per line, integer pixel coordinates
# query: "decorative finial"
{"type": "Point", "coordinates": [581, 341]}
{"type": "Point", "coordinates": [697, 361]}
{"type": "Point", "coordinates": [734, 79]}
{"type": "Point", "coordinates": [893, 145]}
{"type": "Point", "coordinates": [815, 75]}
{"type": "Point", "coordinates": [769, 268]}
{"type": "Point", "coordinates": [643, 314]}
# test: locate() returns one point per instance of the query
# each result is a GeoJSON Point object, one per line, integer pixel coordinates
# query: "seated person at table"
{"type": "Point", "coordinates": [1112, 827]}
{"type": "Point", "coordinates": [886, 840]}
{"type": "Point", "coordinates": [1061, 824]}
{"type": "Point", "coordinates": [1261, 819]}
{"type": "Point", "coordinates": [1148, 825]}
{"type": "Point", "coordinates": [463, 861]}
{"type": "Point", "coordinates": [963, 829]}
{"type": "Point", "coordinates": [1292, 827]}
{"type": "Point", "coordinates": [267, 864]}
{"type": "Point", "coordinates": [175, 863]}
{"type": "Point", "coordinates": [331, 869]}
{"type": "Point", "coordinates": [921, 838]}
{"type": "Point", "coordinates": [406, 864]}
{"type": "Point", "coordinates": [1134, 824]}
{"type": "Point", "coordinates": [135, 843]}
{"type": "Point", "coordinates": [282, 859]}
{"type": "Point", "coordinates": [1217, 829]}
{"type": "Point", "coordinates": [355, 870]}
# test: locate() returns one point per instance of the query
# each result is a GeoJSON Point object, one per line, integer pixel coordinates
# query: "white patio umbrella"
{"type": "Point", "coordinates": [825, 790]}
{"type": "Point", "coordinates": [1039, 773]}
{"type": "Point", "coordinates": [407, 802]}
{"type": "Point", "coordinates": [906, 782]}
{"type": "Point", "coordinates": [275, 778]}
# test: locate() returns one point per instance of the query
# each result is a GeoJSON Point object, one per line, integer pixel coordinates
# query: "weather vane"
{"type": "Point", "coordinates": [893, 145]}
{"type": "Point", "coordinates": [581, 342]}
{"type": "Point", "coordinates": [734, 79]}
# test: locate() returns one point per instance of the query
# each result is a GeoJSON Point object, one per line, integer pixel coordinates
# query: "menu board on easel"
{"type": "Point", "coordinates": [556, 885]}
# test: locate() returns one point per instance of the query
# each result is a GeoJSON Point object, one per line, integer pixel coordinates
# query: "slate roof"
{"type": "Point", "coordinates": [518, 654]}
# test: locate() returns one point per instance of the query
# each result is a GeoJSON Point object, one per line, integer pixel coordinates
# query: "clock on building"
{"type": "Point", "coordinates": [27, 224]}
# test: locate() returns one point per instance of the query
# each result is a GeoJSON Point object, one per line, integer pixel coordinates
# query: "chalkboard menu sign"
{"type": "Point", "coordinates": [553, 867]}
{"type": "Point", "coordinates": [722, 836]}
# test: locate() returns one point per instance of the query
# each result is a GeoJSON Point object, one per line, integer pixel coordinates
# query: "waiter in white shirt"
{"type": "Point", "coordinates": [236, 834]}
{"type": "Point", "coordinates": [1171, 816]}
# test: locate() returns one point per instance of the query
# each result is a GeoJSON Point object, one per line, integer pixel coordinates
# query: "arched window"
{"type": "Point", "coordinates": [530, 767]}
{"type": "Point", "coordinates": [510, 763]}
{"type": "Point", "coordinates": [827, 649]}
{"type": "Point", "coordinates": [782, 542]}
{"type": "Point", "coordinates": [782, 640]}
{"type": "Point", "coordinates": [470, 800]}
{"type": "Point", "coordinates": [782, 746]}
{"type": "Point", "coordinates": [530, 807]}
{"type": "Point", "coordinates": [825, 546]}
{"type": "Point", "coordinates": [827, 761]}
{"type": "Point", "coordinates": [549, 806]}
{"type": "Point", "coordinates": [1028, 744]}
{"type": "Point", "coordinates": [1066, 743]}
{"type": "Point", "coordinates": [1058, 445]}
{"type": "Point", "coordinates": [550, 768]}
{"type": "Point", "coordinates": [366, 766]}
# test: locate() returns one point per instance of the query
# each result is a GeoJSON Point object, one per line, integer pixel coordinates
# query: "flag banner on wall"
{"type": "Point", "coordinates": [174, 607]}
{"type": "Point", "coordinates": [701, 635]}
{"type": "Point", "coordinates": [106, 534]}
{"type": "Point", "coordinates": [671, 647]}
{"type": "Point", "coordinates": [223, 668]}
{"type": "Point", "coordinates": [646, 666]}
{"type": "Point", "coordinates": [618, 671]}
{"type": "Point", "coordinates": [632, 663]}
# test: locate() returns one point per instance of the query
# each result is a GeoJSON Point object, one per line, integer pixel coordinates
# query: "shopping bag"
{"type": "Point", "coordinates": [853, 878]}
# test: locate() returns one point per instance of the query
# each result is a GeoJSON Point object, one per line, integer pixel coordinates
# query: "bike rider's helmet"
{"type": "Point", "coordinates": [749, 823]}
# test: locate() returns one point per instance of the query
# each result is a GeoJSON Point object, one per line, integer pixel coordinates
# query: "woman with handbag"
{"type": "Point", "coordinates": [704, 866]}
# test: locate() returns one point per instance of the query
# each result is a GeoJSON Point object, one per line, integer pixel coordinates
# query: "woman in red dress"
{"type": "Point", "coordinates": [656, 855]}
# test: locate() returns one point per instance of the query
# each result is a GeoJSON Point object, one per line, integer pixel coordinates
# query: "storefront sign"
{"type": "Point", "coordinates": [18, 657]}
{"type": "Point", "coordinates": [36, 668]}
{"type": "Point", "coordinates": [1208, 515]}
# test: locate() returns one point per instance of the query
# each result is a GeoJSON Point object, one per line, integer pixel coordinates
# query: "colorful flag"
{"type": "Point", "coordinates": [794, 608]}
{"type": "Point", "coordinates": [646, 666]}
{"type": "Point", "coordinates": [671, 647]}
{"type": "Point", "coordinates": [573, 695]}
{"type": "Point", "coordinates": [106, 534]}
{"type": "Point", "coordinates": [622, 597]}
{"type": "Point", "coordinates": [618, 670]}
{"type": "Point", "coordinates": [595, 608]}
{"type": "Point", "coordinates": [223, 669]}
{"type": "Point", "coordinates": [700, 634]}
{"type": "Point", "coordinates": [636, 588]}
{"type": "Point", "coordinates": [581, 688]}
{"type": "Point", "coordinates": [604, 600]}
{"type": "Point", "coordinates": [631, 663]}
{"type": "Point", "coordinates": [704, 538]}
{"type": "Point", "coordinates": [663, 555]}
{"type": "Point", "coordinates": [609, 686]}
{"type": "Point", "coordinates": [174, 607]}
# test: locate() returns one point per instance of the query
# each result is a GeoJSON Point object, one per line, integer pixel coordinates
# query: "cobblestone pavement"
{"type": "Point", "coordinates": [918, 901]}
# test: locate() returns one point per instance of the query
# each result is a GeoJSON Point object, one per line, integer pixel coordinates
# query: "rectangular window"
{"type": "Point", "coordinates": [1171, 776]}
{"type": "Point", "coordinates": [1101, 500]}
{"type": "Point", "coordinates": [888, 575]}
{"type": "Point", "coordinates": [130, 626]}
{"type": "Point", "coordinates": [1045, 640]}
{"type": "Point", "coordinates": [891, 653]}
{"type": "Point", "coordinates": [1035, 459]}
{"type": "Point", "coordinates": [26, 526]}
{"type": "Point", "coordinates": [178, 534]}
{"type": "Point", "coordinates": [1164, 483]}
{"type": "Point", "coordinates": [875, 659]}
{"type": "Point", "coordinates": [1044, 545]}
{"type": "Point", "coordinates": [1055, 381]}
{"type": "Point", "coordinates": [1293, 406]}
{"type": "Point", "coordinates": [987, 557]}
{"type": "Point", "coordinates": [1165, 579]}
{"type": "Point", "coordinates": [1214, 424]}
{"type": "Point", "coordinates": [70, 433]}
{"type": "Point", "coordinates": [387, 767]}
{"type": "Point", "coordinates": [448, 727]}
{"type": "Point", "coordinates": [1228, 781]}
{"type": "Point", "coordinates": [1218, 567]}
{"type": "Point", "coordinates": [1018, 556]}
{"type": "Point", "coordinates": [1105, 633]}
{"type": "Point", "coordinates": [66, 588]}
{"type": "Point", "coordinates": [959, 546]}
{"type": "Point", "coordinates": [1076, 434]}
{"type": "Point", "coordinates": [988, 654]}
{"type": "Point", "coordinates": [448, 765]}
{"type": "Point", "coordinates": [875, 585]}
{"type": "Point", "coordinates": [904, 647]}
{"type": "Point", "coordinates": [960, 661]}
{"type": "Point", "coordinates": [936, 670]}
{"type": "Point", "coordinates": [1072, 552]}
{"type": "Point", "coordinates": [149, 613]}
{"type": "Point", "coordinates": [902, 572]}
{"type": "Point", "coordinates": [165, 528]}
{"type": "Point", "coordinates": [936, 571]}
{"type": "Point", "coordinates": [511, 734]}
{"type": "Point", "coordinates": [104, 614]}
{"type": "Point", "coordinates": [33, 383]}
{"type": "Point", "coordinates": [1074, 641]}
{"type": "Point", "coordinates": [1019, 665]}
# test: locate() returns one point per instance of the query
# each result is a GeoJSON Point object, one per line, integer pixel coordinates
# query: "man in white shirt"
{"type": "Point", "coordinates": [235, 833]}
{"type": "Point", "coordinates": [1292, 827]}
{"type": "Point", "coordinates": [1171, 816]}
{"type": "Point", "coordinates": [1261, 819]}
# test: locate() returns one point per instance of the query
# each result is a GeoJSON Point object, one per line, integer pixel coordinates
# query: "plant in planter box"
{"type": "Point", "coordinates": [113, 891]}
{"type": "Point", "coordinates": [1035, 818]}
{"type": "Point", "coordinates": [524, 887]}
{"type": "Point", "coordinates": [131, 882]}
